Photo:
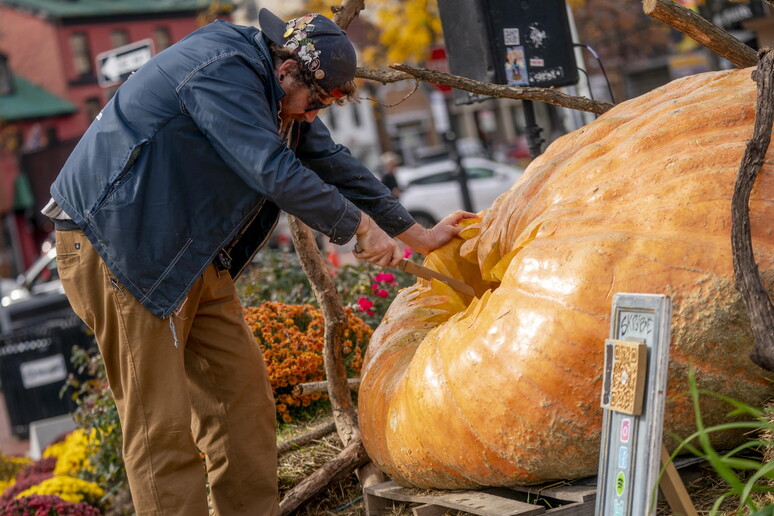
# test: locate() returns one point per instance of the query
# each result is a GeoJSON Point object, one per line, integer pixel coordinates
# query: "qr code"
{"type": "Point", "coordinates": [511, 36]}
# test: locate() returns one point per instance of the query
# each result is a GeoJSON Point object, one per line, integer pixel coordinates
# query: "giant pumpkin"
{"type": "Point", "coordinates": [504, 388]}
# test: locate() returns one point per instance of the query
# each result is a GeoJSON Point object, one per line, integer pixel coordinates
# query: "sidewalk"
{"type": "Point", "coordinates": [9, 443]}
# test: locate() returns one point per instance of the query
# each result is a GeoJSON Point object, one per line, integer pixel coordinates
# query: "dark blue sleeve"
{"type": "Point", "coordinates": [243, 130]}
{"type": "Point", "coordinates": [336, 166]}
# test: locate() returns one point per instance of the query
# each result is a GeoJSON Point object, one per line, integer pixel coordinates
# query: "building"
{"type": "Point", "coordinates": [54, 43]}
{"type": "Point", "coordinates": [27, 114]}
{"type": "Point", "coordinates": [52, 49]}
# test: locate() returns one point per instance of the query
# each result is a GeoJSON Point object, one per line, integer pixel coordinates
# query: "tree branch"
{"type": "Point", "coordinates": [306, 438]}
{"type": "Point", "coordinates": [314, 387]}
{"type": "Point", "coordinates": [748, 280]}
{"type": "Point", "coordinates": [345, 13]}
{"type": "Point", "coordinates": [706, 33]}
{"type": "Point", "coordinates": [345, 462]}
{"type": "Point", "coordinates": [335, 324]}
{"type": "Point", "coordinates": [547, 95]}
{"type": "Point", "coordinates": [383, 76]}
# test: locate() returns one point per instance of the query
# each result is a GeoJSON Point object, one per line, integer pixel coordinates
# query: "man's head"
{"type": "Point", "coordinates": [314, 53]}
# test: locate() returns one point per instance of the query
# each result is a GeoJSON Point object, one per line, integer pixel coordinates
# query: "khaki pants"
{"type": "Point", "coordinates": [204, 386]}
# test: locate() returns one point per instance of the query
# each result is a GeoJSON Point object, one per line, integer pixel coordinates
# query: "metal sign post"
{"type": "Point", "coordinates": [633, 397]}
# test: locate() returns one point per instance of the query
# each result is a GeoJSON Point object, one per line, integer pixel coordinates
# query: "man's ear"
{"type": "Point", "coordinates": [287, 68]}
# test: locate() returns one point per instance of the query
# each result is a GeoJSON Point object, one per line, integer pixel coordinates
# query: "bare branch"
{"type": "Point", "coordinates": [383, 76]}
{"type": "Point", "coordinates": [314, 387]}
{"type": "Point", "coordinates": [306, 438]}
{"type": "Point", "coordinates": [547, 95]}
{"type": "Point", "coordinates": [346, 12]}
{"type": "Point", "coordinates": [706, 33]}
{"type": "Point", "coordinates": [348, 460]}
{"type": "Point", "coordinates": [336, 324]}
{"type": "Point", "coordinates": [748, 279]}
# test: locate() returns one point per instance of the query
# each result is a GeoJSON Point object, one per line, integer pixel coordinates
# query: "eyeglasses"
{"type": "Point", "coordinates": [316, 105]}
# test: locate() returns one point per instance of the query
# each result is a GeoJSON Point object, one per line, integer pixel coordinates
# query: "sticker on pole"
{"type": "Point", "coordinates": [116, 65]}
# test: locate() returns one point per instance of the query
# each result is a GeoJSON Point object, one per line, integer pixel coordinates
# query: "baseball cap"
{"type": "Point", "coordinates": [323, 48]}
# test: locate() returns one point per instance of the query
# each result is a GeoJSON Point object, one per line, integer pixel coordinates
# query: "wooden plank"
{"type": "Point", "coordinates": [428, 510]}
{"type": "Point", "coordinates": [573, 509]}
{"type": "Point", "coordinates": [374, 505]}
{"type": "Point", "coordinates": [568, 493]}
{"type": "Point", "coordinates": [474, 502]}
{"type": "Point", "coordinates": [673, 488]}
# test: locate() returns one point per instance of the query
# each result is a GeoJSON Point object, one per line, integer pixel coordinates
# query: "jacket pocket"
{"type": "Point", "coordinates": [123, 177]}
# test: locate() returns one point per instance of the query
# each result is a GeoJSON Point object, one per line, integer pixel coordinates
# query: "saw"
{"type": "Point", "coordinates": [429, 274]}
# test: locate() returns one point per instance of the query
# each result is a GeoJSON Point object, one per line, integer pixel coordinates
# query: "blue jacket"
{"type": "Point", "coordinates": [187, 155]}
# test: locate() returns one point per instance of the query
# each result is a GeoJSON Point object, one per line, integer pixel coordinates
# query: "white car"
{"type": "Point", "coordinates": [432, 191]}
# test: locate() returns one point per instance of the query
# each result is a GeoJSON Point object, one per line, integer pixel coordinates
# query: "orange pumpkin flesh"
{"type": "Point", "coordinates": [504, 389]}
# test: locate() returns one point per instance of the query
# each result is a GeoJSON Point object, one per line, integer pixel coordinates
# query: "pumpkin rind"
{"type": "Point", "coordinates": [504, 389]}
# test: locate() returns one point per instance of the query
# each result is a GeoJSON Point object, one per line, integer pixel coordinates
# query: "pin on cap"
{"type": "Point", "coordinates": [323, 48]}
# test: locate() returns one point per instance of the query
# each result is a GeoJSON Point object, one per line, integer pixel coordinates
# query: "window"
{"type": "Point", "coordinates": [479, 173]}
{"type": "Point", "coordinates": [6, 81]}
{"type": "Point", "coordinates": [451, 175]}
{"type": "Point", "coordinates": [119, 38]}
{"type": "Point", "coordinates": [79, 46]}
{"type": "Point", "coordinates": [162, 38]}
{"type": "Point", "coordinates": [441, 177]}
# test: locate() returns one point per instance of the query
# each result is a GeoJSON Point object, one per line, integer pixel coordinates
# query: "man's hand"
{"type": "Point", "coordinates": [374, 245]}
{"type": "Point", "coordinates": [427, 240]}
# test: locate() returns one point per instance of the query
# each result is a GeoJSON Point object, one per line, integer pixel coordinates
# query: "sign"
{"type": "Point", "coordinates": [730, 14]}
{"type": "Point", "coordinates": [43, 371]}
{"type": "Point", "coordinates": [630, 450]}
{"type": "Point", "coordinates": [116, 65]}
{"type": "Point", "coordinates": [438, 62]}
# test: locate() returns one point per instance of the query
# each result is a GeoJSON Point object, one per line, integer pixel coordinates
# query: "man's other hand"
{"type": "Point", "coordinates": [427, 240]}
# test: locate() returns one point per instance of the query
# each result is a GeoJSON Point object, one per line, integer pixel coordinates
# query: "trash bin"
{"type": "Point", "coordinates": [34, 366]}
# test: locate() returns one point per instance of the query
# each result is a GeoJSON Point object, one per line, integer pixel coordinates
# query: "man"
{"type": "Point", "coordinates": [389, 162]}
{"type": "Point", "coordinates": [168, 195]}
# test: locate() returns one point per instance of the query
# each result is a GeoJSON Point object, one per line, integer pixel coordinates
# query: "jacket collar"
{"type": "Point", "coordinates": [262, 44]}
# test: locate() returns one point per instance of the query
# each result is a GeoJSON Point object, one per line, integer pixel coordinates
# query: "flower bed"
{"type": "Point", "coordinates": [291, 338]}
{"type": "Point", "coordinates": [54, 484]}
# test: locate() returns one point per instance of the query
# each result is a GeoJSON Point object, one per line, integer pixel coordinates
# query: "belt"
{"type": "Point", "coordinates": [65, 225]}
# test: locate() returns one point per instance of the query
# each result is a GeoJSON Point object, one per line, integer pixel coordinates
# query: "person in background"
{"type": "Point", "coordinates": [169, 194]}
{"type": "Point", "coordinates": [389, 163]}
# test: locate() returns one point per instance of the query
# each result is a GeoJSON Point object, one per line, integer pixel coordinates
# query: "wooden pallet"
{"type": "Point", "coordinates": [567, 500]}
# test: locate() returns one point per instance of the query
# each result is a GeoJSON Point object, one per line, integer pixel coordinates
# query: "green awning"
{"type": "Point", "coordinates": [78, 8]}
{"type": "Point", "coordinates": [30, 101]}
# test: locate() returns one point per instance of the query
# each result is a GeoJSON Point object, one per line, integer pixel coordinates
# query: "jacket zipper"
{"type": "Point", "coordinates": [129, 164]}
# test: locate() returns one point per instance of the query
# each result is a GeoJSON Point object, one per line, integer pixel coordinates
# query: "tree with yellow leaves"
{"type": "Point", "coordinates": [405, 29]}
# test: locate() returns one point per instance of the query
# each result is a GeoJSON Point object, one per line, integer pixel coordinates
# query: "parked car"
{"type": "Point", "coordinates": [432, 191]}
{"type": "Point", "coordinates": [38, 331]}
{"type": "Point", "coordinates": [36, 298]}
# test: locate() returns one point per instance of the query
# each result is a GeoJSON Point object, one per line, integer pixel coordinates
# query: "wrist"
{"type": "Point", "coordinates": [364, 226]}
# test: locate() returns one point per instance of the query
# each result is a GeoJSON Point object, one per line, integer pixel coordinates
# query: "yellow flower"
{"type": "Point", "coordinates": [73, 453]}
{"type": "Point", "coordinates": [5, 484]}
{"type": "Point", "coordinates": [67, 488]}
